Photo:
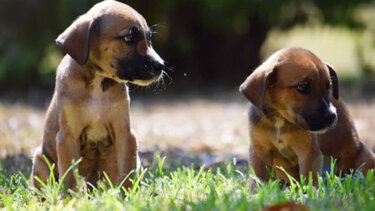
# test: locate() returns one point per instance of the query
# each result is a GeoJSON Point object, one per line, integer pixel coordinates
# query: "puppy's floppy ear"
{"type": "Point", "coordinates": [254, 87]}
{"type": "Point", "coordinates": [334, 80]}
{"type": "Point", "coordinates": [75, 40]}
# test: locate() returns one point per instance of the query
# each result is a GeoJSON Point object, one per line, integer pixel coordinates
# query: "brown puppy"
{"type": "Point", "coordinates": [88, 116]}
{"type": "Point", "coordinates": [296, 118]}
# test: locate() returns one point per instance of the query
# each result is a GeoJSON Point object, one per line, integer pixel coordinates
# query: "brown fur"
{"type": "Point", "coordinates": [88, 116]}
{"type": "Point", "coordinates": [280, 132]}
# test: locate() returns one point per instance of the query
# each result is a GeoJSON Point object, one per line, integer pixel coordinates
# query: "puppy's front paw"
{"type": "Point", "coordinates": [252, 184]}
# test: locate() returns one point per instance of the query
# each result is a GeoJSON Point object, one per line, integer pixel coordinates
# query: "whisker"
{"type": "Point", "coordinates": [152, 28]}
{"type": "Point", "coordinates": [169, 77]}
{"type": "Point", "coordinates": [166, 74]}
{"type": "Point", "coordinates": [163, 81]}
{"type": "Point", "coordinates": [168, 67]}
{"type": "Point", "coordinates": [157, 25]}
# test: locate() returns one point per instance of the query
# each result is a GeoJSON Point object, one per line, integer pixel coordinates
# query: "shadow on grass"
{"type": "Point", "coordinates": [174, 158]}
{"type": "Point", "coordinates": [18, 163]}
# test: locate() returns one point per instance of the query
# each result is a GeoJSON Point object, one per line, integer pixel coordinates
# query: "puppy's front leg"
{"type": "Point", "coordinates": [311, 161]}
{"type": "Point", "coordinates": [126, 152]}
{"type": "Point", "coordinates": [259, 168]}
{"type": "Point", "coordinates": [68, 148]}
{"type": "Point", "coordinates": [68, 142]}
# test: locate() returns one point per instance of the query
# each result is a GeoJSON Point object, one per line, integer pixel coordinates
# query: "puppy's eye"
{"type": "Point", "coordinates": [328, 86]}
{"type": "Point", "coordinates": [303, 88]}
{"type": "Point", "coordinates": [132, 37]}
{"type": "Point", "coordinates": [129, 38]}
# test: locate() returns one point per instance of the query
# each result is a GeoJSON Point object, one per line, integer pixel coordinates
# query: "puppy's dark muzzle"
{"type": "Point", "coordinates": [153, 67]}
{"type": "Point", "coordinates": [330, 118]}
{"type": "Point", "coordinates": [140, 68]}
{"type": "Point", "coordinates": [321, 120]}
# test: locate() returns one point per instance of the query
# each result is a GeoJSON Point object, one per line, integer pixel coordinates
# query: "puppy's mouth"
{"type": "Point", "coordinates": [138, 77]}
{"type": "Point", "coordinates": [140, 70]}
{"type": "Point", "coordinates": [324, 130]}
{"type": "Point", "coordinates": [319, 124]}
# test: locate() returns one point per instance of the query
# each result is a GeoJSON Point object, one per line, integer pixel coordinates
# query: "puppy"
{"type": "Point", "coordinates": [296, 117]}
{"type": "Point", "coordinates": [88, 116]}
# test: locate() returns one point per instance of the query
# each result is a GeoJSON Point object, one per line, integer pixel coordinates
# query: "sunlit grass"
{"type": "Point", "coordinates": [187, 188]}
{"type": "Point", "coordinates": [181, 188]}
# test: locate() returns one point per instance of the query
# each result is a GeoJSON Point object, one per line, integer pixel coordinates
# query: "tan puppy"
{"type": "Point", "coordinates": [88, 116]}
{"type": "Point", "coordinates": [296, 118]}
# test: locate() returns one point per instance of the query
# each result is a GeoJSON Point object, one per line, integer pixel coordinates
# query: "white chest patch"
{"type": "Point", "coordinates": [97, 133]}
{"type": "Point", "coordinates": [278, 142]}
{"type": "Point", "coordinates": [278, 125]}
{"type": "Point", "coordinates": [280, 145]}
{"type": "Point", "coordinates": [98, 114]}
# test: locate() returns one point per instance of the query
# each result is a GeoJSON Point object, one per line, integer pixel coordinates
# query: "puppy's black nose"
{"type": "Point", "coordinates": [157, 66]}
{"type": "Point", "coordinates": [329, 118]}
{"type": "Point", "coordinates": [154, 66]}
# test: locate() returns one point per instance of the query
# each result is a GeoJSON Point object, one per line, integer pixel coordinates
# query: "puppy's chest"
{"type": "Point", "coordinates": [101, 112]}
{"type": "Point", "coordinates": [282, 140]}
{"type": "Point", "coordinates": [281, 143]}
{"type": "Point", "coordinates": [100, 109]}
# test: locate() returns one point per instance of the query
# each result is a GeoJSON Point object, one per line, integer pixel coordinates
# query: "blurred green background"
{"type": "Point", "coordinates": [211, 44]}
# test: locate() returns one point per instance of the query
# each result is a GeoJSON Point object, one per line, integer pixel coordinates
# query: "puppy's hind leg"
{"type": "Point", "coordinates": [365, 159]}
{"type": "Point", "coordinates": [40, 169]}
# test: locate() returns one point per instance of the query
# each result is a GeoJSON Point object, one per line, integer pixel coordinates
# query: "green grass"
{"type": "Point", "coordinates": [187, 188]}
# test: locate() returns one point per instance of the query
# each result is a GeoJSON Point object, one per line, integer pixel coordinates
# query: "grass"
{"type": "Point", "coordinates": [170, 187]}
{"type": "Point", "coordinates": [187, 188]}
